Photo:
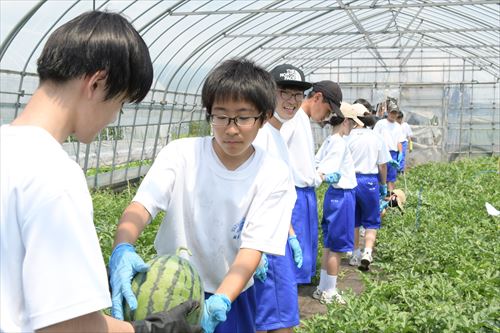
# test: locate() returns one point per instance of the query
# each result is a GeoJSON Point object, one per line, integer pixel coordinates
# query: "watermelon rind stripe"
{"type": "Point", "coordinates": [175, 279]}
{"type": "Point", "coordinates": [158, 272]}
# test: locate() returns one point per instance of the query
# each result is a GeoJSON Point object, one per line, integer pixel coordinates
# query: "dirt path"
{"type": "Point", "coordinates": [351, 279]}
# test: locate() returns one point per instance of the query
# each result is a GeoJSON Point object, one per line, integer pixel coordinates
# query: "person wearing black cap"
{"type": "Point", "coordinates": [276, 291]}
{"type": "Point", "coordinates": [323, 99]}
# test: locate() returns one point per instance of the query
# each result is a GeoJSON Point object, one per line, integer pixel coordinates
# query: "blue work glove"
{"type": "Point", "coordinates": [332, 178]}
{"type": "Point", "coordinates": [297, 251]}
{"type": "Point", "coordinates": [383, 205]}
{"type": "Point", "coordinates": [400, 158]}
{"type": "Point", "coordinates": [394, 163]}
{"type": "Point", "coordinates": [124, 263]}
{"type": "Point", "coordinates": [261, 271]}
{"type": "Point", "coordinates": [214, 312]}
{"type": "Point", "coordinates": [383, 190]}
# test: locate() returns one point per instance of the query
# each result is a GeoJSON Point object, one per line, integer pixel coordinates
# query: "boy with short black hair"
{"type": "Point", "coordinates": [225, 200]}
{"type": "Point", "coordinates": [324, 99]}
{"type": "Point", "coordinates": [53, 276]}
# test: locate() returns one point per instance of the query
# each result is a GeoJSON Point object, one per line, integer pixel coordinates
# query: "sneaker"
{"type": "Point", "coordinates": [317, 294]}
{"type": "Point", "coordinates": [366, 260]}
{"type": "Point", "coordinates": [355, 260]}
{"type": "Point", "coordinates": [335, 298]}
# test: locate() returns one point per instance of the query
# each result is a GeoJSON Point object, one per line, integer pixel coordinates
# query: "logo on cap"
{"type": "Point", "coordinates": [291, 75]}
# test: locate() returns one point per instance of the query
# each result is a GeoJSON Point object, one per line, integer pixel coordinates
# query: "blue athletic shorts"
{"type": "Point", "coordinates": [277, 299]}
{"type": "Point", "coordinates": [367, 201]}
{"type": "Point", "coordinates": [338, 219]}
{"type": "Point", "coordinates": [305, 224]}
{"type": "Point", "coordinates": [392, 172]}
{"type": "Point", "coordinates": [241, 317]}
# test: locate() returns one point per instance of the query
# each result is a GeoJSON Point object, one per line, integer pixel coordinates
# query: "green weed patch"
{"type": "Point", "coordinates": [438, 275]}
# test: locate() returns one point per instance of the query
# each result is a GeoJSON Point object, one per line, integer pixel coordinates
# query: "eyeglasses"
{"type": "Point", "coordinates": [286, 95]}
{"type": "Point", "coordinates": [240, 121]}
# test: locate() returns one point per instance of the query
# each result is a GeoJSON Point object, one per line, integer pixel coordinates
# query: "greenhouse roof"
{"type": "Point", "coordinates": [187, 38]}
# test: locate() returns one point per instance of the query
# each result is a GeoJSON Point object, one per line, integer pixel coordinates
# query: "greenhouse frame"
{"type": "Point", "coordinates": [439, 59]}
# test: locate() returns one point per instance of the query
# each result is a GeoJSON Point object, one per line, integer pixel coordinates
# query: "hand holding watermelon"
{"type": "Point", "coordinates": [214, 312]}
{"type": "Point", "coordinates": [123, 265]}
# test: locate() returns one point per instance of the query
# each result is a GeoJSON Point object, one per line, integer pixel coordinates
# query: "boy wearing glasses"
{"type": "Point", "coordinates": [277, 299]}
{"type": "Point", "coordinates": [324, 98]}
{"type": "Point", "coordinates": [225, 200]}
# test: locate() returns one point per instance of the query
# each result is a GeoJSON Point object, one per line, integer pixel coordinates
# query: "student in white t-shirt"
{"type": "Point", "coordinates": [277, 298]}
{"type": "Point", "coordinates": [225, 200]}
{"type": "Point", "coordinates": [407, 142]}
{"type": "Point", "coordinates": [323, 99]}
{"type": "Point", "coordinates": [370, 155]}
{"type": "Point", "coordinates": [392, 133]}
{"type": "Point", "coordinates": [336, 167]}
{"type": "Point", "coordinates": [53, 276]}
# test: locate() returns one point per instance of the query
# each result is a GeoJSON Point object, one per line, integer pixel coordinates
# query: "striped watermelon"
{"type": "Point", "coordinates": [170, 281]}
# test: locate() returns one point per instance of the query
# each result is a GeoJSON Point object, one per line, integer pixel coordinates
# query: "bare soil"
{"type": "Point", "coordinates": [350, 278]}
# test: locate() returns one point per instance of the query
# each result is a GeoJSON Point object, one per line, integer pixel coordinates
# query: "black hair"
{"type": "Point", "coordinates": [368, 120]}
{"type": "Point", "coordinates": [95, 41]}
{"type": "Point", "coordinates": [400, 114]}
{"type": "Point", "coordinates": [365, 103]}
{"type": "Point", "coordinates": [335, 120]}
{"type": "Point", "coordinates": [240, 80]}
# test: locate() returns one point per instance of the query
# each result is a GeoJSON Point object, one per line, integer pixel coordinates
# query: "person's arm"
{"type": "Point", "coordinates": [92, 322]}
{"type": "Point", "coordinates": [240, 272]}
{"type": "Point", "coordinates": [382, 173]}
{"type": "Point", "coordinates": [133, 221]}
{"type": "Point", "coordinates": [219, 304]}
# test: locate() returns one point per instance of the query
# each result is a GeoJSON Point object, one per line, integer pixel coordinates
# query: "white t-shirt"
{"type": "Point", "coordinates": [214, 211]}
{"type": "Point", "coordinates": [322, 151]}
{"type": "Point", "coordinates": [338, 159]}
{"type": "Point", "coordinates": [406, 130]}
{"type": "Point", "coordinates": [51, 264]}
{"type": "Point", "coordinates": [298, 137]}
{"type": "Point", "coordinates": [392, 133]}
{"type": "Point", "coordinates": [368, 150]}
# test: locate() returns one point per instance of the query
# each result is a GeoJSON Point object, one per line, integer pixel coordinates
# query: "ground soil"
{"type": "Point", "coordinates": [350, 278]}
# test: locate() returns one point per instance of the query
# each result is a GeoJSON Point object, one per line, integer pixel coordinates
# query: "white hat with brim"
{"type": "Point", "coordinates": [349, 112]}
{"type": "Point", "coordinates": [360, 109]}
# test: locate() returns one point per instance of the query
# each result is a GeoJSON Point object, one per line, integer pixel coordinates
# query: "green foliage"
{"type": "Point", "coordinates": [440, 277]}
{"type": "Point", "coordinates": [108, 208]}
{"type": "Point", "coordinates": [108, 168]}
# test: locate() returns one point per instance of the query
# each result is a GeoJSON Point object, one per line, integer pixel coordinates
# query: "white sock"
{"type": "Point", "coordinates": [331, 285]}
{"type": "Point", "coordinates": [368, 250]}
{"type": "Point", "coordinates": [357, 252]}
{"type": "Point", "coordinates": [322, 279]}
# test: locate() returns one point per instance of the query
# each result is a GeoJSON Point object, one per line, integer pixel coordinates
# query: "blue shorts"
{"type": "Point", "coordinates": [402, 165]}
{"type": "Point", "coordinates": [241, 317]}
{"type": "Point", "coordinates": [277, 299]}
{"type": "Point", "coordinates": [338, 219]}
{"type": "Point", "coordinates": [305, 224]}
{"type": "Point", "coordinates": [392, 172]}
{"type": "Point", "coordinates": [367, 201]}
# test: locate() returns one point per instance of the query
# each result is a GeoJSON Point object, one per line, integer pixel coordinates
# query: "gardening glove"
{"type": "Point", "coordinates": [124, 263]}
{"type": "Point", "coordinates": [383, 205]}
{"type": "Point", "coordinates": [332, 178]}
{"type": "Point", "coordinates": [410, 146]}
{"type": "Point", "coordinates": [214, 312]}
{"type": "Point", "coordinates": [261, 271]}
{"type": "Point", "coordinates": [297, 251]}
{"type": "Point", "coordinates": [394, 163]}
{"type": "Point", "coordinates": [383, 190]}
{"type": "Point", "coordinates": [171, 321]}
{"type": "Point", "coordinates": [400, 157]}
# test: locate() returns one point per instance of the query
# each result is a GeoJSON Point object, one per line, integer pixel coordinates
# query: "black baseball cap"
{"type": "Point", "coordinates": [331, 92]}
{"type": "Point", "coordinates": [290, 76]}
